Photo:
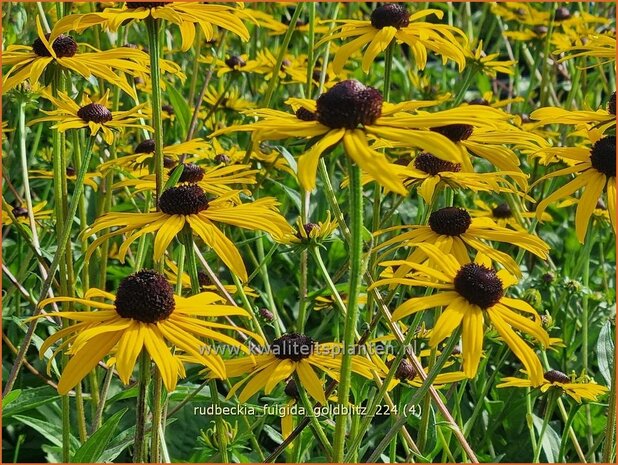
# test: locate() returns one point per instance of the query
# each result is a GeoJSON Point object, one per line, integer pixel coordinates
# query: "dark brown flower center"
{"type": "Point", "coordinates": [63, 46]}
{"type": "Point", "coordinates": [145, 146]}
{"type": "Point", "coordinates": [293, 347]}
{"type": "Point", "coordinates": [555, 376]}
{"type": "Point", "coordinates": [561, 14]}
{"type": "Point", "coordinates": [291, 390]}
{"type": "Point", "coordinates": [455, 132]}
{"type": "Point", "coordinates": [540, 30]}
{"type": "Point", "coordinates": [223, 158]}
{"type": "Point", "coordinates": [145, 296]}
{"type": "Point", "coordinates": [266, 314]}
{"type": "Point", "coordinates": [235, 61]}
{"type": "Point", "coordinates": [168, 109]}
{"type": "Point", "coordinates": [502, 211]}
{"type": "Point", "coordinates": [94, 112]}
{"type": "Point", "coordinates": [70, 171]}
{"type": "Point", "coordinates": [391, 14]}
{"type": "Point", "coordinates": [20, 212]}
{"type": "Point", "coordinates": [611, 104]}
{"type": "Point", "coordinates": [188, 199]}
{"type": "Point", "coordinates": [405, 371]}
{"type": "Point", "coordinates": [479, 101]}
{"type": "Point", "coordinates": [450, 221]}
{"type": "Point", "coordinates": [134, 5]}
{"type": "Point", "coordinates": [433, 165]}
{"type": "Point", "coordinates": [603, 156]}
{"type": "Point", "coordinates": [308, 227]}
{"type": "Point", "coordinates": [203, 278]}
{"type": "Point", "coordinates": [191, 173]}
{"type": "Point", "coordinates": [305, 115]}
{"type": "Point", "coordinates": [348, 104]}
{"type": "Point", "coordinates": [479, 285]}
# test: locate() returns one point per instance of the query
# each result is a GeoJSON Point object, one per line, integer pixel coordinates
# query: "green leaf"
{"type": "Point", "coordinates": [50, 431]}
{"type": "Point", "coordinates": [181, 108]}
{"type": "Point", "coordinates": [28, 400]}
{"type": "Point", "coordinates": [174, 177]}
{"type": "Point", "coordinates": [551, 440]}
{"type": "Point", "coordinates": [92, 449]}
{"type": "Point", "coordinates": [10, 397]}
{"type": "Point", "coordinates": [605, 352]}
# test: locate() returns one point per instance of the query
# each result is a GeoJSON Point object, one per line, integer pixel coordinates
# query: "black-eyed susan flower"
{"type": "Point", "coordinates": [476, 130]}
{"type": "Point", "coordinates": [453, 230]}
{"type": "Point", "coordinates": [188, 204]}
{"type": "Point", "coordinates": [29, 62]}
{"type": "Point", "coordinates": [393, 21]}
{"type": "Point", "coordinates": [601, 46]}
{"type": "Point", "coordinates": [347, 112]}
{"type": "Point", "coordinates": [90, 179]}
{"type": "Point", "coordinates": [206, 284]}
{"type": "Point", "coordinates": [473, 293]}
{"type": "Point", "coordinates": [184, 14]}
{"type": "Point", "coordinates": [143, 315]}
{"type": "Point", "coordinates": [488, 64]}
{"type": "Point", "coordinates": [289, 354]}
{"type": "Point", "coordinates": [554, 379]}
{"type": "Point", "coordinates": [92, 114]}
{"type": "Point", "coordinates": [595, 170]}
{"type": "Point", "coordinates": [428, 173]}
{"type": "Point", "coordinates": [313, 233]}
{"type": "Point", "coordinates": [143, 153]}
{"type": "Point", "coordinates": [21, 213]}
{"type": "Point", "coordinates": [216, 180]}
{"type": "Point", "coordinates": [601, 118]}
{"type": "Point", "coordinates": [502, 214]}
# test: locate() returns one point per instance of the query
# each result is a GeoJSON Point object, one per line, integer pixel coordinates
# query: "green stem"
{"type": "Point", "coordinates": [156, 439]}
{"type": "Point", "coordinates": [60, 250]}
{"type": "Point", "coordinates": [315, 424]}
{"type": "Point", "coordinates": [142, 405]}
{"type": "Point", "coordinates": [610, 429]}
{"type": "Point", "coordinates": [549, 410]}
{"type": "Point", "coordinates": [351, 319]}
{"type": "Point", "coordinates": [388, 68]}
{"type": "Point", "coordinates": [152, 26]}
{"type": "Point", "coordinates": [191, 265]}
{"type": "Point", "coordinates": [284, 47]}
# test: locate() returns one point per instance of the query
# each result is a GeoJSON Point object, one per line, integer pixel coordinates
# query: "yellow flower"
{"type": "Point", "coordinates": [595, 170]}
{"type": "Point", "coordinates": [145, 315]}
{"type": "Point", "coordinates": [471, 293]}
{"type": "Point", "coordinates": [427, 173]}
{"type": "Point", "coordinates": [554, 379]}
{"type": "Point", "coordinates": [184, 14]}
{"type": "Point", "coordinates": [289, 354]}
{"type": "Point", "coordinates": [452, 230]}
{"type": "Point", "coordinates": [71, 175]}
{"type": "Point", "coordinates": [593, 45]}
{"type": "Point", "coordinates": [188, 204]}
{"type": "Point", "coordinates": [236, 63]}
{"type": "Point", "coordinates": [21, 213]}
{"type": "Point", "coordinates": [93, 115]}
{"type": "Point", "coordinates": [502, 214]}
{"type": "Point", "coordinates": [144, 153]}
{"type": "Point", "coordinates": [348, 112]}
{"type": "Point", "coordinates": [171, 272]}
{"type": "Point", "coordinates": [312, 233]}
{"type": "Point", "coordinates": [217, 180]}
{"type": "Point", "coordinates": [393, 21]}
{"type": "Point", "coordinates": [487, 64]}
{"type": "Point", "coordinates": [29, 62]}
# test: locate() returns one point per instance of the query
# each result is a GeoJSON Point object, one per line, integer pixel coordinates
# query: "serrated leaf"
{"type": "Point", "coordinates": [92, 449]}
{"type": "Point", "coordinates": [605, 352]}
